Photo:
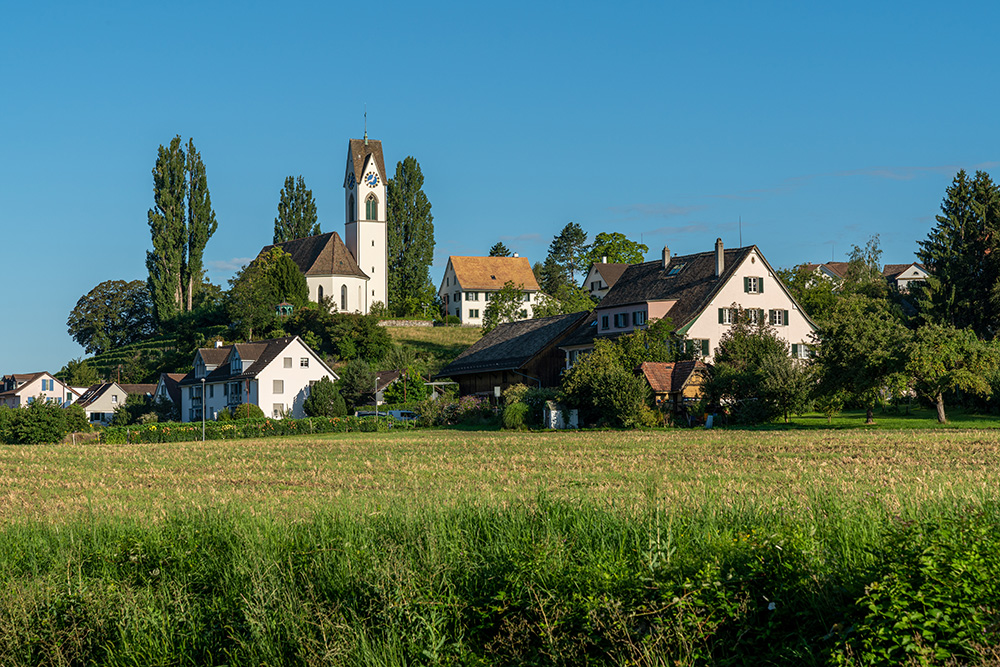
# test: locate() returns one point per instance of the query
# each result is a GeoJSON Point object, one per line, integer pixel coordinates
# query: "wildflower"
{"type": "Point", "coordinates": [771, 606]}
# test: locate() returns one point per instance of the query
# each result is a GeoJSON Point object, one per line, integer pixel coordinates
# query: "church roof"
{"type": "Point", "coordinates": [357, 152]}
{"type": "Point", "coordinates": [322, 255]}
{"type": "Point", "coordinates": [490, 273]}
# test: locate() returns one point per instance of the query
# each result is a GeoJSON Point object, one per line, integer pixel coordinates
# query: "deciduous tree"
{"type": "Point", "coordinates": [113, 314]}
{"type": "Point", "coordinates": [567, 299]}
{"type": "Point", "coordinates": [257, 289]}
{"type": "Point", "coordinates": [297, 217]}
{"type": "Point", "coordinates": [410, 234]}
{"type": "Point", "coordinates": [942, 358]}
{"type": "Point", "coordinates": [506, 305]}
{"type": "Point", "coordinates": [616, 248]}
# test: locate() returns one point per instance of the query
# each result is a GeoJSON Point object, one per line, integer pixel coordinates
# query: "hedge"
{"type": "Point", "coordinates": [245, 428]}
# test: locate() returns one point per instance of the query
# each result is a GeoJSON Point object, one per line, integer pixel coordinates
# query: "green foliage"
{"type": "Point", "coordinates": [567, 299]}
{"type": "Point", "coordinates": [40, 422]}
{"type": "Point", "coordinates": [864, 271]}
{"type": "Point", "coordinates": [357, 382]}
{"type": "Point", "coordinates": [296, 212]}
{"type": "Point", "coordinates": [617, 248]}
{"type": "Point", "coordinates": [241, 411]}
{"type": "Point", "coordinates": [409, 388]}
{"type": "Point", "coordinates": [862, 351]}
{"type": "Point", "coordinates": [411, 240]}
{"type": "Point", "coordinates": [500, 250]}
{"type": "Point", "coordinates": [76, 420]}
{"type": "Point", "coordinates": [962, 254]}
{"type": "Point", "coordinates": [341, 335]}
{"type": "Point", "coordinates": [324, 400]}
{"type": "Point", "coordinates": [814, 293]}
{"type": "Point", "coordinates": [532, 399]}
{"type": "Point", "coordinates": [79, 373]}
{"type": "Point", "coordinates": [258, 288]}
{"type": "Point", "coordinates": [942, 358]}
{"type": "Point", "coordinates": [604, 390]}
{"type": "Point", "coordinates": [113, 314]}
{"type": "Point", "coordinates": [505, 306]}
{"type": "Point", "coordinates": [515, 416]}
{"type": "Point", "coordinates": [567, 256]}
{"type": "Point", "coordinates": [132, 411]}
{"type": "Point", "coordinates": [181, 222]}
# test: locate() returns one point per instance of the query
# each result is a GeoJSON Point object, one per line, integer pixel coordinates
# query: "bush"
{"type": "Point", "coordinates": [241, 411]}
{"type": "Point", "coordinates": [41, 422]}
{"type": "Point", "coordinates": [76, 419]}
{"type": "Point", "coordinates": [514, 416]}
{"type": "Point", "coordinates": [452, 319]}
{"type": "Point", "coordinates": [324, 400]}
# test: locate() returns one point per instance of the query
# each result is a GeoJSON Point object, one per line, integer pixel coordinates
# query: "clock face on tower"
{"type": "Point", "coordinates": [371, 179]}
{"type": "Point", "coordinates": [350, 182]}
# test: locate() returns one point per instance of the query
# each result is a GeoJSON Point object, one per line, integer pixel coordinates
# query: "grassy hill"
{"type": "Point", "coordinates": [436, 346]}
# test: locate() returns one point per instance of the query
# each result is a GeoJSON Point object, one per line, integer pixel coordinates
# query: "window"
{"type": "Point", "coordinates": [674, 270]}
{"type": "Point", "coordinates": [473, 313]}
{"type": "Point", "coordinates": [371, 208]}
{"type": "Point", "coordinates": [604, 322]}
{"type": "Point", "coordinates": [472, 296]}
{"type": "Point", "coordinates": [319, 293]}
{"type": "Point", "coordinates": [727, 315]}
{"type": "Point", "coordinates": [457, 297]}
{"type": "Point", "coordinates": [277, 410]}
{"type": "Point", "coordinates": [350, 209]}
{"type": "Point", "coordinates": [778, 318]}
{"type": "Point", "coordinates": [527, 296]}
{"type": "Point", "coordinates": [696, 346]}
{"type": "Point", "coordinates": [287, 362]}
{"type": "Point", "coordinates": [754, 315]}
{"type": "Point", "coordinates": [753, 285]}
{"type": "Point", "coordinates": [801, 351]}
{"type": "Point", "coordinates": [114, 398]}
{"type": "Point", "coordinates": [621, 320]}
{"type": "Point", "coordinates": [211, 391]}
{"type": "Point", "coordinates": [304, 362]}
{"type": "Point", "coordinates": [343, 298]}
{"type": "Point", "coordinates": [279, 387]}
{"type": "Point", "coordinates": [639, 318]}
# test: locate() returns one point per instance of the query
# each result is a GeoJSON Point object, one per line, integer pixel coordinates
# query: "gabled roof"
{"type": "Point", "coordinates": [385, 378]}
{"type": "Point", "coordinates": [213, 356]}
{"type": "Point", "coordinates": [22, 379]}
{"type": "Point", "coordinates": [261, 353]}
{"type": "Point", "coordinates": [511, 346]}
{"type": "Point", "coordinates": [692, 287]}
{"type": "Point", "coordinates": [94, 393]}
{"type": "Point", "coordinates": [664, 378]}
{"type": "Point", "coordinates": [141, 389]}
{"type": "Point", "coordinates": [610, 273]}
{"type": "Point", "coordinates": [170, 381]}
{"type": "Point", "coordinates": [838, 269]}
{"type": "Point", "coordinates": [490, 273]}
{"type": "Point", "coordinates": [893, 270]}
{"type": "Point", "coordinates": [321, 255]}
{"type": "Point", "coordinates": [358, 151]}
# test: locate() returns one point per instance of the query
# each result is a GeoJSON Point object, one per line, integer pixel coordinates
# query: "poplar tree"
{"type": "Point", "coordinates": [296, 212]}
{"type": "Point", "coordinates": [180, 223]}
{"type": "Point", "coordinates": [410, 235]}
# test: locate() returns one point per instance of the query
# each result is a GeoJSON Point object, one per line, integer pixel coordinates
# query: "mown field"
{"type": "Point", "coordinates": [464, 547]}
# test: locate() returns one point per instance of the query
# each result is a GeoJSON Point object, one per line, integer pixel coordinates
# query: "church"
{"type": "Point", "coordinates": [352, 270]}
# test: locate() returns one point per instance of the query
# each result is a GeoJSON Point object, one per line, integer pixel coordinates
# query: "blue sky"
{"type": "Point", "coordinates": [817, 125]}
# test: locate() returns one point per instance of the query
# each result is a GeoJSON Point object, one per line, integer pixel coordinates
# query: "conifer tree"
{"type": "Point", "coordinates": [499, 249]}
{"type": "Point", "coordinates": [297, 217]}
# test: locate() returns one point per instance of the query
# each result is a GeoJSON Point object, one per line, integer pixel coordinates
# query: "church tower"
{"type": "Point", "coordinates": [365, 230]}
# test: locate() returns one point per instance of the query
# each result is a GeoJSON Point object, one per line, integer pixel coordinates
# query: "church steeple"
{"type": "Point", "coordinates": [365, 220]}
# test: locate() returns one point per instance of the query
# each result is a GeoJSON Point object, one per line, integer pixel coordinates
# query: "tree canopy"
{"type": "Point", "coordinates": [616, 248]}
{"type": "Point", "coordinates": [567, 256]}
{"type": "Point", "coordinates": [257, 289]}
{"type": "Point", "coordinates": [181, 222]}
{"type": "Point", "coordinates": [506, 305]}
{"type": "Point", "coordinates": [942, 358]}
{"type": "Point", "coordinates": [410, 237]}
{"type": "Point", "coordinates": [297, 217]}
{"type": "Point", "coordinates": [113, 314]}
{"type": "Point", "coordinates": [500, 250]}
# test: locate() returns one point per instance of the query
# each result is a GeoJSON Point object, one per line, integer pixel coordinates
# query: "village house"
{"type": "Point", "coordinates": [470, 282]}
{"type": "Point", "coordinates": [902, 276]}
{"type": "Point", "coordinates": [352, 271]}
{"type": "Point", "coordinates": [276, 375]}
{"type": "Point", "coordinates": [101, 400]}
{"type": "Point", "coordinates": [702, 294]}
{"type": "Point", "coordinates": [677, 384]}
{"type": "Point", "coordinates": [602, 277]}
{"type": "Point", "coordinates": [20, 390]}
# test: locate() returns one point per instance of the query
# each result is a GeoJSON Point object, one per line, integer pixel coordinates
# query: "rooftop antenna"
{"type": "Point", "coordinates": [741, 231]}
{"type": "Point", "coordinates": [366, 123]}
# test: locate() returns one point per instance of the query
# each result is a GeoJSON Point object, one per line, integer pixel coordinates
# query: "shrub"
{"type": "Point", "coordinates": [76, 419]}
{"type": "Point", "coordinates": [324, 400]}
{"type": "Point", "coordinates": [514, 416]}
{"type": "Point", "coordinates": [241, 411]}
{"type": "Point", "coordinates": [41, 422]}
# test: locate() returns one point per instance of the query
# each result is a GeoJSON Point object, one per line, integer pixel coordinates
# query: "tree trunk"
{"type": "Point", "coordinates": [939, 403]}
{"type": "Point", "coordinates": [869, 415]}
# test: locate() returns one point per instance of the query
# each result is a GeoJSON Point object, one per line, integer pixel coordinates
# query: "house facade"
{"type": "Point", "coordinates": [470, 282]}
{"type": "Point", "coordinates": [275, 375]}
{"type": "Point", "coordinates": [353, 270]}
{"type": "Point", "coordinates": [101, 400]}
{"type": "Point", "coordinates": [902, 276]}
{"type": "Point", "coordinates": [601, 278]}
{"type": "Point", "coordinates": [702, 294]}
{"type": "Point", "coordinates": [20, 390]}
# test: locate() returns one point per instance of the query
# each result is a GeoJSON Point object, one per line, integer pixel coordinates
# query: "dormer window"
{"type": "Point", "coordinates": [236, 365]}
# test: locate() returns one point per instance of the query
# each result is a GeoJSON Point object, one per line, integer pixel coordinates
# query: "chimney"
{"type": "Point", "coordinates": [604, 260]}
{"type": "Point", "coordinates": [218, 344]}
{"type": "Point", "coordinates": [666, 257]}
{"type": "Point", "coordinates": [720, 258]}
{"type": "Point", "coordinates": [516, 255]}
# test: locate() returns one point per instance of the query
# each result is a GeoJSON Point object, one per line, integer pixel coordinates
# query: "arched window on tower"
{"type": "Point", "coordinates": [371, 208]}
{"type": "Point", "coordinates": [343, 298]}
{"type": "Point", "coordinates": [350, 209]}
{"type": "Point", "coordinates": [319, 294]}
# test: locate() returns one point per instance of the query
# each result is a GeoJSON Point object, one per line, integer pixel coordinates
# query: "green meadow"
{"type": "Point", "coordinates": [452, 547]}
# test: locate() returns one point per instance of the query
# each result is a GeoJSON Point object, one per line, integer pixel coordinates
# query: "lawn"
{"type": "Point", "coordinates": [436, 346]}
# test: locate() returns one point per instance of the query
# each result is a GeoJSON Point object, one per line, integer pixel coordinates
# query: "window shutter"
{"type": "Point", "coordinates": [795, 350]}
{"type": "Point", "coordinates": [760, 317]}
{"type": "Point", "coordinates": [760, 285]}
{"type": "Point", "coordinates": [704, 347]}
{"type": "Point", "coordinates": [721, 319]}
{"type": "Point", "coordinates": [746, 284]}
{"type": "Point", "coordinates": [785, 320]}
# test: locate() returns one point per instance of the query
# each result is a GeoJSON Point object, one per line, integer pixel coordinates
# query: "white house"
{"type": "Point", "coordinates": [275, 375]}
{"type": "Point", "coordinates": [901, 276]}
{"type": "Point", "coordinates": [19, 390]}
{"type": "Point", "coordinates": [470, 282]}
{"type": "Point", "coordinates": [353, 271]}
{"type": "Point", "coordinates": [602, 277]}
{"type": "Point", "coordinates": [101, 400]}
{"type": "Point", "coordinates": [701, 293]}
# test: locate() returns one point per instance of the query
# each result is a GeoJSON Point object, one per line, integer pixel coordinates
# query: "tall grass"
{"type": "Point", "coordinates": [533, 582]}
